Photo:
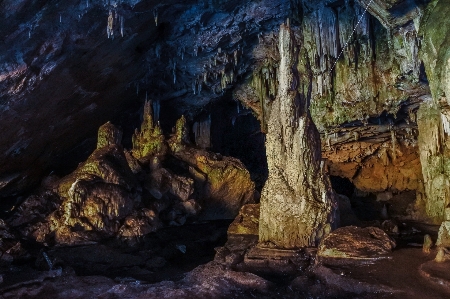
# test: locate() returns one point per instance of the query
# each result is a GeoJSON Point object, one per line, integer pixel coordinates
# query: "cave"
{"type": "Point", "coordinates": [225, 149]}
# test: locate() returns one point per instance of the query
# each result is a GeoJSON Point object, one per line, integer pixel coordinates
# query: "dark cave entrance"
{"type": "Point", "coordinates": [236, 132]}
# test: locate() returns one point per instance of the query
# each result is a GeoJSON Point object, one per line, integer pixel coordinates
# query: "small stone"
{"type": "Point", "coordinates": [427, 243]}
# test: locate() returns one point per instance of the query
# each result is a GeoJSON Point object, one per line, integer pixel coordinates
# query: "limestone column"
{"type": "Point", "coordinates": [298, 205]}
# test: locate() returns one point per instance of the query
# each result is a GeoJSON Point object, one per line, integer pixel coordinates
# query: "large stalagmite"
{"type": "Point", "coordinates": [298, 205]}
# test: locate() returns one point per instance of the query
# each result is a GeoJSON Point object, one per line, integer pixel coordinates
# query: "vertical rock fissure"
{"type": "Point", "coordinates": [298, 205]}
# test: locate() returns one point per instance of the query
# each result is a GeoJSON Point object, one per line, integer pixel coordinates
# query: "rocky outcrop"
{"type": "Point", "coordinates": [298, 206]}
{"type": "Point", "coordinates": [353, 242]}
{"type": "Point", "coordinates": [129, 194]}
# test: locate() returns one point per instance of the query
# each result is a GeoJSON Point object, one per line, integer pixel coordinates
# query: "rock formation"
{"type": "Point", "coordinates": [433, 116]}
{"type": "Point", "coordinates": [224, 184]}
{"type": "Point", "coordinates": [149, 141]}
{"type": "Point", "coordinates": [298, 206]}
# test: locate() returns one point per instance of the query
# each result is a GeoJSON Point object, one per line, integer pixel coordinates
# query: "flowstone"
{"type": "Point", "coordinates": [298, 205]}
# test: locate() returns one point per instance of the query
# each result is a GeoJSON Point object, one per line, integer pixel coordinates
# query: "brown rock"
{"type": "Point", "coordinates": [247, 222]}
{"type": "Point", "coordinates": [353, 242]}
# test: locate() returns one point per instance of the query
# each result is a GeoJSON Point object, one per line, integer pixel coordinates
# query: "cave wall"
{"type": "Point", "coordinates": [434, 115]}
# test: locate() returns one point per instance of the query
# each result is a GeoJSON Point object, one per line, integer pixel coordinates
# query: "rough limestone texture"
{"type": "Point", "coordinates": [247, 222]}
{"type": "Point", "coordinates": [434, 115]}
{"type": "Point", "coordinates": [355, 242]}
{"type": "Point", "coordinates": [298, 205]}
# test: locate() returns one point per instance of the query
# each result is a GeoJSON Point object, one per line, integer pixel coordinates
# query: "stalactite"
{"type": "Point", "coordinates": [174, 72]}
{"type": "Point", "coordinates": [109, 27]}
{"type": "Point", "coordinates": [445, 119]}
{"type": "Point", "coordinates": [121, 26]}
{"type": "Point", "coordinates": [155, 15]}
{"type": "Point", "coordinates": [394, 143]}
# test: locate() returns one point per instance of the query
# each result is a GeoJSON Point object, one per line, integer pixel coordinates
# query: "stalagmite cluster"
{"type": "Point", "coordinates": [149, 140]}
{"type": "Point", "coordinates": [298, 205]}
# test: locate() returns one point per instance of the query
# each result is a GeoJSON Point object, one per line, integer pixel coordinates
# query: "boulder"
{"type": "Point", "coordinates": [223, 184]}
{"type": "Point", "coordinates": [352, 242]}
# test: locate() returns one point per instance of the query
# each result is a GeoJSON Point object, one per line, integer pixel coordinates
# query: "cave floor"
{"type": "Point", "coordinates": [178, 262]}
